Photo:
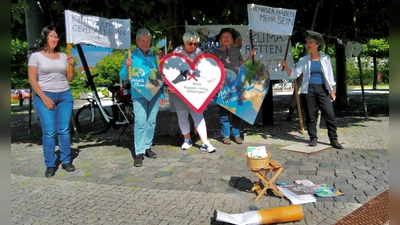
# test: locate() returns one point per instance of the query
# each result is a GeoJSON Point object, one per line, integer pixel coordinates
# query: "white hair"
{"type": "Point", "coordinates": [190, 35]}
{"type": "Point", "coordinates": [141, 32]}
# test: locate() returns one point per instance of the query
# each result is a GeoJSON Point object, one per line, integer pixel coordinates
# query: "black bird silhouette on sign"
{"type": "Point", "coordinates": [181, 77]}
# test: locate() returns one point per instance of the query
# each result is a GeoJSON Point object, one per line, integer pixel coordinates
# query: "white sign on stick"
{"type": "Point", "coordinates": [97, 31]}
{"type": "Point", "coordinates": [271, 20]}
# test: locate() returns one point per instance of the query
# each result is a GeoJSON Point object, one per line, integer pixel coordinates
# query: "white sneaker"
{"type": "Point", "coordinates": [207, 148]}
{"type": "Point", "coordinates": [186, 145]}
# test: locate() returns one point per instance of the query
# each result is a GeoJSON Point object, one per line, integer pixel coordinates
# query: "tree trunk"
{"type": "Point", "coordinates": [174, 24]}
{"type": "Point", "coordinates": [174, 33]}
{"type": "Point", "coordinates": [341, 77]}
{"type": "Point", "coordinates": [34, 24]}
{"type": "Point", "coordinates": [375, 74]}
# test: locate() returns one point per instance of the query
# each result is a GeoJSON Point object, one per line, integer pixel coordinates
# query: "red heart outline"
{"type": "Point", "coordinates": [193, 67]}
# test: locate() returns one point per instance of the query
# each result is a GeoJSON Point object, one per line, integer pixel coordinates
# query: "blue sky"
{"type": "Point", "coordinates": [92, 54]}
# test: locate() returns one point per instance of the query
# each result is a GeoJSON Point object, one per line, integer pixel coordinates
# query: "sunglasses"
{"type": "Point", "coordinates": [191, 44]}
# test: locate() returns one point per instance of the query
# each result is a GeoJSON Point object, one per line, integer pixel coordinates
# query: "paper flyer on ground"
{"type": "Point", "coordinates": [296, 199]}
{"type": "Point", "coordinates": [300, 191]}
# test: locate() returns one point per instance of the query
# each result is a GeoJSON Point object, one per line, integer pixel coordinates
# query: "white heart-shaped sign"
{"type": "Point", "coordinates": [195, 82]}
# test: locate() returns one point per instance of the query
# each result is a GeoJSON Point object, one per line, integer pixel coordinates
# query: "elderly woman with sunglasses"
{"type": "Point", "coordinates": [190, 50]}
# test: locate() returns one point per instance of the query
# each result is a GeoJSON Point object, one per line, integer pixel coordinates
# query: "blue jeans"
{"type": "Point", "coordinates": [55, 123]}
{"type": "Point", "coordinates": [145, 122]}
{"type": "Point", "coordinates": [226, 125]}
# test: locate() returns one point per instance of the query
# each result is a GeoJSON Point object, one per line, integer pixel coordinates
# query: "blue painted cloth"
{"type": "Point", "coordinates": [146, 63]}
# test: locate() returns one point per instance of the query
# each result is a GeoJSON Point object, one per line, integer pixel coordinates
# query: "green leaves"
{"type": "Point", "coordinates": [376, 47]}
{"type": "Point", "coordinates": [19, 64]}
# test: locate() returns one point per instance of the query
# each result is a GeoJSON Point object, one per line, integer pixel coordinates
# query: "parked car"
{"type": "Point", "coordinates": [26, 95]}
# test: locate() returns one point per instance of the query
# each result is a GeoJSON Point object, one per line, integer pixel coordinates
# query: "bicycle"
{"type": "Point", "coordinates": [93, 118]}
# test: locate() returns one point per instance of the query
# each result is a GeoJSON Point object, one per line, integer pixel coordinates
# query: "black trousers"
{"type": "Point", "coordinates": [319, 96]}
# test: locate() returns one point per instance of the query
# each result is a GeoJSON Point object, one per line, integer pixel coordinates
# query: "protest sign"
{"type": "Point", "coordinates": [197, 82]}
{"type": "Point", "coordinates": [267, 19]}
{"type": "Point", "coordinates": [147, 81]}
{"type": "Point", "coordinates": [243, 93]}
{"type": "Point", "coordinates": [270, 48]}
{"type": "Point", "coordinates": [97, 31]}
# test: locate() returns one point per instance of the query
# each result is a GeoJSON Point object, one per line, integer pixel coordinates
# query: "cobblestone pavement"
{"type": "Point", "coordinates": [185, 187]}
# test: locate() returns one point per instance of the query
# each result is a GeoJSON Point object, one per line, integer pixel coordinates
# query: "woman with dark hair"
{"type": "Point", "coordinates": [317, 87]}
{"type": "Point", "coordinates": [232, 59]}
{"type": "Point", "coordinates": [49, 77]}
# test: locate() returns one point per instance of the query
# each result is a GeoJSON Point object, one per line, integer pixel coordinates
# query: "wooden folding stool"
{"type": "Point", "coordinates": [276, 168]}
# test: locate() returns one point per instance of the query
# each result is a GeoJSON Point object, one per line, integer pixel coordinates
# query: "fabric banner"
{"type": "Point", "coordinates": [271, 20]}
{"type": "Point", "coordinates": [243, 94]}
{"type": "Point", "coordinates": [147, 81]}
{"type": "Point", "coordinates": [97, 31]}
{"type": "Point", "coordinates": [270, 48]}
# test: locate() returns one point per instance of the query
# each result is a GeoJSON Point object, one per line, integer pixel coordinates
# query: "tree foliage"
{"type": "Point", "coordinates": [378, 48]}
{"type": "Point", "coordinates": [108, 69]}
{"type": "Point", "coordinates": [340, 21]}
{"type": "Point", "coordinates": [19, 62]}
{"type": "Point", "coordinates": [334, 17]}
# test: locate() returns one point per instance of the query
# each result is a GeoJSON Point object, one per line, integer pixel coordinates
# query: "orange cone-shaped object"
{"type": "Point", "coordinates": [264, 216]}
{"type": "Point", "coordinates": [281, 214]}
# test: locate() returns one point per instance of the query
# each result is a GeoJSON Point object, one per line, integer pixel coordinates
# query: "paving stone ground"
{"type": "Point", "coordinates": [185, 187]}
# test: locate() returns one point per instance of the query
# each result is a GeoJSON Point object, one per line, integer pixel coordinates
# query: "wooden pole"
{"type": "Point", "coordinates": [130, 67]}
{"type": "Point", "coordinates": [251, 44]}
{"type": "Point", "coordinates": [362, 86]}
{"type": "Point", "coordinates": [69, 54]}
{"type": "Point", "coordinates": [296, 94]}
{"type": "Point", "coordinates": [287, 48]}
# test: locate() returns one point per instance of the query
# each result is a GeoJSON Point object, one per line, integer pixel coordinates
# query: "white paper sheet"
{"type": "Point", "coordinates": [296, 199]}
{"type": "Point", "coordinates": [247, 218]}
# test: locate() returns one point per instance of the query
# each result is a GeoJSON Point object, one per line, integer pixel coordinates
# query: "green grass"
{"type": "Point", "coordinates": [129, 180]}
{"type": "Point", "coordinates": [84, 176]}
{"type": "Point", "coordinates": [368, 86]}
{"type": "Point", "coordinates": [192, 151]}
{"type": "Point", "coordinates": [61, 173]}
{"type": "Point", "coordinates": [231, 155]}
